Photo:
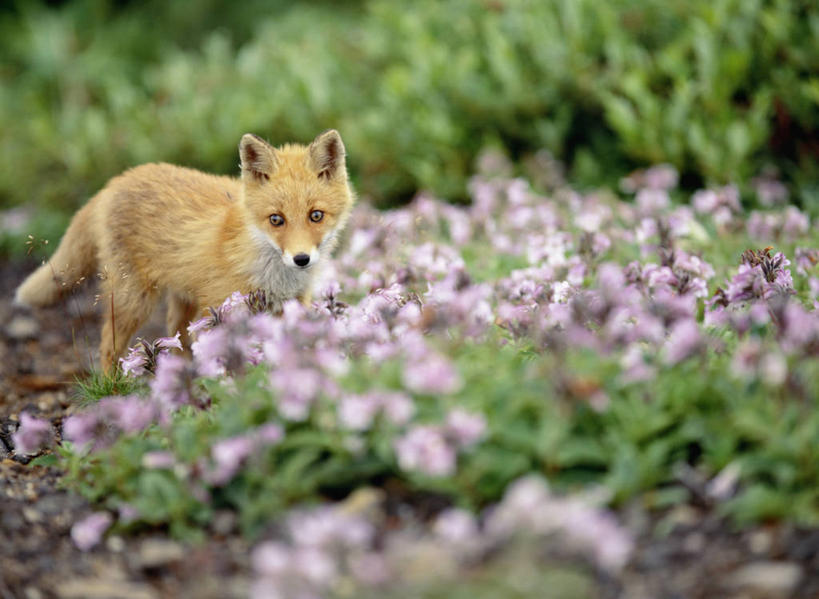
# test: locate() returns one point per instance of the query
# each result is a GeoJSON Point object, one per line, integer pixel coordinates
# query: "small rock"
{"type": "Point", "coordinates": [224, 522]}
{"type": "Point", "coordinates": [682, 516]}
{"type": "Point", "coordinates": [760, 542]}
{"type": "Point", "coordinates": [694, 542]}
{"type": "Point", "coordinates": [12, 521]}
{"type": "Point", "coordinates": [32, 593]}
{"type": "Point", "coordinates": [115, 543]}
{"type": "Point", "coordinates": [22, 327]}
{"type": "Point", "coordinates": [155, 553]}
{"type": "Point", "coordinates": [771, 578]}
{"type": "Point", "coordinates": [51, 504]}
{"type": "Point", "coordinates": [32, 515]}
{"type": "Point", "coordinates": [806, 547]}
{"type": "Point", "coordinates": [47, 401]}
{"type": "Point", "coordinates": [96, 588]}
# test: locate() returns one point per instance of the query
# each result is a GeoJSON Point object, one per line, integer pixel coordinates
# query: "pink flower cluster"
{"type": "Point", "coordinates": [420, 283]}
{"type": "Point", "coordinates": [32, 435]}
{"type": "Point", "coordinates": [329, 547]}
{"type": "Point", "coordinates": [432, 450]}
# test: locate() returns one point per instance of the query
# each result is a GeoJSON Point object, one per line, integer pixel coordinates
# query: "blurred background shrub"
{"type": "Point", "coordinates": [722, 89]}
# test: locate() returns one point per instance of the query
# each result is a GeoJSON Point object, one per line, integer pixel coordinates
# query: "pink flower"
{"type": "Point", "coordinates": [134, 363]}
{"type": "Point", "coordinates": [684, 340]}
{"type": "Point", "coordinates": [330, 527]}
{"type": "Point", "coordinates": [83, 429]}
{"type": "Point", "coordinates": [425, 449]}
{"type": "Point", "coordinates": [356, 412]}
{"type": "Point", "coordinates": [652, 201]}
{"type": "Point", "coordinates": [432, 373]}
{"type": "Point", "coordinates": [142, 357]}
{"type": "Point", "coordinates": [171, 386]}
{"type": "Point", "coordinates": [270, 433]}
{"type": "Point", "coordinates": [528, 507]}
{"type": "Point", "coordinates": [659, 177]}
{"type": "Point", "coordinates": [635, 368]}
{"type": "Point", "coordinates": [369, 568]}
{"type": "Point", "coordinates": [131, 413]}
{"type": "Point", "coordinates": [456, 527]}
{"type": "Point", "coordinates": [228, 456]}
{"type": "Point", "coordinates": [271, 559]}
{"type": "Point", "coordinates": [88, 532]}
{"type": "Point", "coordinates": [398, 407]}
{"type": "Point", "coordinates": [465, 428]}
{"type": "Point", "coordinates": [32, 435]}
{"type": "Point", "coordinates": [806, 260]}
{"type": "Point", "coordinates": [769, 191]}
{"type": "Point", "coordinates": [795, 223]}
{"type": "Point", "coordinates": [168, 343]}
{"type": "Point", "coordinates": [721, 203]}
{"type": "Point", "coordinates": [314, 566]}
{"type": "Point", "coordinates": [126, 513]}
{"type": "Point", "coordinates": [297, 390]}
{"type": "Point", "coordinates": [209, 349]}
{"type": "Point", "coordinates": [158, 459]}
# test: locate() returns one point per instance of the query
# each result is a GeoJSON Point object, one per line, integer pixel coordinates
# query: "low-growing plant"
{"type": "Point", "coordinates": [658, 377]}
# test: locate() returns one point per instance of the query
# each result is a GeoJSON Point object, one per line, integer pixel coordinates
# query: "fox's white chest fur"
{"type": "Point", "coordinates": [269, 272]}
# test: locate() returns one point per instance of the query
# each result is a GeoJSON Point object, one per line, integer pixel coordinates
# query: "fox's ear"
{"type": "Point", "coordinates": [327, 155]}
{"type": "Point", "coordinates": [258, 158]}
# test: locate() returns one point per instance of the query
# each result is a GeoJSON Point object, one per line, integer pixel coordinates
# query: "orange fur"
{"type": "Point", "coordinates": [160, 229]}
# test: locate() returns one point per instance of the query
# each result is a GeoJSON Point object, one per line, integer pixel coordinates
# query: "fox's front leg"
{"type": "Point", "coordinates": [181, 311]}
{"type": "Point", "coordinates": [128, 304]}
{"type": "Point", "coordinates": [306, 299]}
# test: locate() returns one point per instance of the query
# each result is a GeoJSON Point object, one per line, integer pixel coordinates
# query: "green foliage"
{"type": "Point", "coordinates": [98, 384]}
{"type": "Point", "coordinates": [719, 88]}
{"type": "Point", "coordinates": [540, 420]}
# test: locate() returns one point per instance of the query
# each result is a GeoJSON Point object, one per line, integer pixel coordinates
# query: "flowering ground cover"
{"type": "Point", "coordinates": [477, 386]}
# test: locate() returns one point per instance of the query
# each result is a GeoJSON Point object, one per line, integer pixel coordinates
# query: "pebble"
{"type": "Point", "coordinates": [694, 542]}
{"type": "Point", "coordinates": [32, 593]}
{"type": "Point", "coordinates": [224, 522]}
{"type": "Point", "coordinates": [47, 401]}
{"type": "Point", "coordinates": [115, 543]}
{"type": "Point", "coordinates": [776, 579]}
{"type": "Point", "coordinates": [683, 516]}
{"type": "Point", "coordinates": [10, 520]}
{"type": "Point", "coordinates": [155, 553]}
{"type": "Point", "coordinates": [97, 588]}
{"type": "Point", "coordinates": [54, 504]}
{"type": "Point", "coordinates": [32, 515]}
{"type": "Point", "coordinates": [760, 542]}
{"type": "Point", "coordinates": [22, 327]}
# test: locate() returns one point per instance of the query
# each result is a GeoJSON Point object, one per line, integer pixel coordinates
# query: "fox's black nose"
{"type": "Point", "coordinates": [301, 260]}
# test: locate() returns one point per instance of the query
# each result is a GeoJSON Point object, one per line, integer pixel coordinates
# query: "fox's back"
{"type": "Point", "coordinates": [152, 198]}
{"type": "Point", "coordinates": [157, 219]}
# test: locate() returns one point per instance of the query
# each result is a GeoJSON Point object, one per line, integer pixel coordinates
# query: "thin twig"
{"type": "Point", "coordinates": [113, 322]}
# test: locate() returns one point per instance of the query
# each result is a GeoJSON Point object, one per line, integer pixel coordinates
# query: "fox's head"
{"type": "Point", "coordinates": [296, 198]}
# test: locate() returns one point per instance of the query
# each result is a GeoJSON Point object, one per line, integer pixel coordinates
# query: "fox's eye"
{"type": "Point", "coordinates": [316, 215]}
{"type": "Point", "coordinates": [277, 220]}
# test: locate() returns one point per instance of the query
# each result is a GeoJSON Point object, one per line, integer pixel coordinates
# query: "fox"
{"type": "Point", "coordinates": [161, 230]}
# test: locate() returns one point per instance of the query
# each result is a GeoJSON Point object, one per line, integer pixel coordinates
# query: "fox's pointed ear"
{"type": "Point", "coordinates": [327, 155]}
{"type": "Point", "coordinates": [258, 158]}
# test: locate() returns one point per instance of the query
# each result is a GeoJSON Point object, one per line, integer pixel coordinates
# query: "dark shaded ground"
{"type": "Point", "coordinates": [698, 556]}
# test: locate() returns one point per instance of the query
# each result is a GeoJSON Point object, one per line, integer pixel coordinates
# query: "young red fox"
{"type": "Point", "coordinates": [163, 229]}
